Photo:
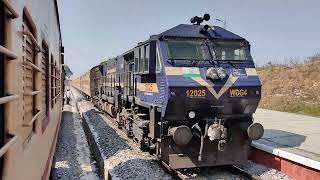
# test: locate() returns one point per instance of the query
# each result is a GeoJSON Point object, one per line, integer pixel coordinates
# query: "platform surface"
{"type": "Point", "coordinates": [291, 136]}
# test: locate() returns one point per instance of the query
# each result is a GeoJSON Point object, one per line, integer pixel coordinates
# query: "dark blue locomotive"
{"type": "Point", "coordinates": [187, 93]}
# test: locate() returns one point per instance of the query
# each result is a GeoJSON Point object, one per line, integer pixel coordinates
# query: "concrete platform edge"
{"type": "Point", "coordinates": [287, 155]}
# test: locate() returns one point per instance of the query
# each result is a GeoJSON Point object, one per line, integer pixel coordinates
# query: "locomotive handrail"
{"type": "Point", "coordinates": [13, 12]}
{"type": "Point", "coordinates": [5, 99]}
{"type": "Point", "coordinates": [33, 119]}
{"type": "Point", "coordinates": [32, 65]}
{"type": "Point", "coordinates": [6, 147]}
{"type": "Point", "coordinates": [8, 53]}
{"type": "Point", "coordinates": [33, 39]}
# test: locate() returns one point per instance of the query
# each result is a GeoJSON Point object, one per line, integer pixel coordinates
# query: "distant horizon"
{"type": "Point", "coordinates": [276, 30]}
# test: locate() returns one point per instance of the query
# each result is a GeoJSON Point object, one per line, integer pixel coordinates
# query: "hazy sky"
{"type": "Point", "coordinates": [97, 29]}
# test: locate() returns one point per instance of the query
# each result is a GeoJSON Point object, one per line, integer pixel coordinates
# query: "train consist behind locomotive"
{"type": "Point", "coordinates": [187, 93]}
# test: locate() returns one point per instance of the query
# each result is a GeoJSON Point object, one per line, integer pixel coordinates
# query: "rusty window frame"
{"type": "Point", "coordinates": [45, 56]}
{"type": "Point", "coordinates": [52, 81]}
{"type": "Point", "coordinates": [31, 46]}
{"type": "Point", "coordinates": [2, 92]}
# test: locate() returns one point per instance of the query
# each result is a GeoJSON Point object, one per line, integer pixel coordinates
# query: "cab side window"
{"type": "Point", "coordinates": [141, 59]}
{"type": "Point", "coordinates": [158, 61]}
{"type": "Point", "coordinates": [146, 59]}
{"type": "Point", "coordinates": [136, 61]}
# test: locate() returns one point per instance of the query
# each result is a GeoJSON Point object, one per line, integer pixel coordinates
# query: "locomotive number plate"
{"type": "Point", "coordinates": [238, 92]}
{"type": "Point", "coordinates": [196, 93]}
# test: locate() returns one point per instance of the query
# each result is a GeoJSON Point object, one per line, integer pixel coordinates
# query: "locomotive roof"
{"type": "Point", "coordinates": [187, 30]}
{"type": "Point", "coordinates": [192, 31]}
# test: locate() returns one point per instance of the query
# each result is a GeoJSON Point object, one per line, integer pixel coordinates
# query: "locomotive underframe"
{"type": "Point", "coordinates": [143, 124]}
{"type": "Point", "coordinates": [177, 157]}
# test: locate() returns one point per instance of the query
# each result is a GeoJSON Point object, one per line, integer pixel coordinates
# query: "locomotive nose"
{"type": "Point", "coordinates": [255, 131]}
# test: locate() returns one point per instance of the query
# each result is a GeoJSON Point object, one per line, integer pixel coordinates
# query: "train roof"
{"type": "Point", "coordinates": [192, 31]}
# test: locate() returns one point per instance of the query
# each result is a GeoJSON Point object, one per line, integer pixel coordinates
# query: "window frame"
{"type": "Point", "coordinates": [52, 81]}
{"type": "Point", "coordinates": [45, 49]}
{"type": "Point", "coordinates": [158, 59]}
{"type": "Point", "coordinates": [28, 24]}
{"type": "Point", "coordinates": [136, 61]}
{"type": "Point", "coordinates": [46, 73]}
{"type": "Point", "coordinates": [141, 59]}
{"type": "Point", "coordinates": [146, 58]}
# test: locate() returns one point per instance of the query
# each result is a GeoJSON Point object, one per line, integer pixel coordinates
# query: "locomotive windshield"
{"type": "Point", "coordinates": [205, 51]}
{"type": "Point", "coordinates": [188, 50]}
{"type": "Point", "coordinates": [231, 51]}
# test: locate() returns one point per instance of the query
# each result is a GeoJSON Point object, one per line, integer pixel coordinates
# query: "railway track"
{"type": "Point", "coordinates": [198, 173]}
{"type": "Point", "coordinates": [210, 172]}
{"type": "Point", "coordinates": [245, 173]}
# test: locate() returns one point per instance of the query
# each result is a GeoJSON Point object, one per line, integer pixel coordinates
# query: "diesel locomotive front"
{"type": "Point", "coordinates": [188, 94]}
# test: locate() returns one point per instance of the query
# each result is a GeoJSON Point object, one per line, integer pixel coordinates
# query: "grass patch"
{"type": "Point", "coordinates": [300, 108]}
{"type": "Point", "coordinates": [313, 110]}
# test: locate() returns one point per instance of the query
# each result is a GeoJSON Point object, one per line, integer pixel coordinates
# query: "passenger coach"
{"type": "Point", "coordinates": [31, 58]}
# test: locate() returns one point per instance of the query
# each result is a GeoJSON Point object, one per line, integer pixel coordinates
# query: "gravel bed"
{"type": "Point", "coordinates": [122, 159]}
{"type": "Point", "coordinates": [72, 155]}
{"type": "Point", "coordinates": [265, 173]}
{"type": "Point", "coordinates": [213, 173]}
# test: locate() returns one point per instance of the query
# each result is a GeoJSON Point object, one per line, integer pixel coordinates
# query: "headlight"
{"type": "Point", "coordinates": [212, 73]}
{"type": "Point", "coordinates": [192, 114]}
{"type": "Point", "coordinates": [221, 73]}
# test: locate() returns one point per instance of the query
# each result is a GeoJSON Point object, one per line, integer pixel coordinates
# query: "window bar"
{"type": "Point", "coordinates": [7, 146]}
{"type": "Point", "coordinates": [8, 53]}
{"type": "Point", "coordinates": [27, 33]}
{"type": "Point", "coordinates": [32, 65]}
{"type": "Point", "coordinates": [6, 99]}
{"type": "Point", "coordinates": [33, 119]}
{"type": "Point", "coordinates": [13, 12]}
{"type": "Point", "coordinates": [32, 93]}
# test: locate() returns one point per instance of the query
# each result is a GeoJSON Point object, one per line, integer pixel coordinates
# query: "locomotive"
{"type": "Point", "coordinates": [187, 94]}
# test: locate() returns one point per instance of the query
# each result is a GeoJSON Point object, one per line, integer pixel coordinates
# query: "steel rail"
{"type": "Point", "coordinates": [245, 173]}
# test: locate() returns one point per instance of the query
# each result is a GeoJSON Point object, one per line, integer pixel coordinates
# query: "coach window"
{"type": "Point", "coordinates": [57, 84]}
{"type": "Point", "coordinates": [30, 74]}
{"type": "Point", "coordinates": [158, 62]}
{"type": "Point", "coordinates": [45, 80]}
{"type": "Point", "coordinates": [136, 65]}
{"type": "Point", "coordinates": [141, 59]}
{"type": "Point", "coordinates": [53, 85]}
{"type": "Point", "coordinates": [146, 59]}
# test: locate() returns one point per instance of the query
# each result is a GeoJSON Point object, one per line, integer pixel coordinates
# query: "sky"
{"type": "Point", "coordinates": [278, 30]}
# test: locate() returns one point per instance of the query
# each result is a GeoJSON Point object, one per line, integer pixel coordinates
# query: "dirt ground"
{"type": "Point", "coordinates": [291, 88]}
